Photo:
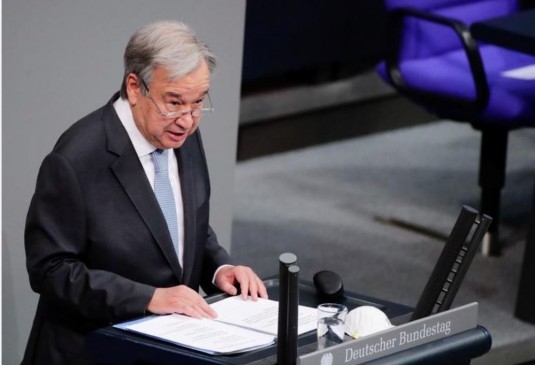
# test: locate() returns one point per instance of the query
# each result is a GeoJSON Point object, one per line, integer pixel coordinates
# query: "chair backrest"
{"type": "Point", "coordinates": [423, 39]}
{"type": "Point", "coordinates": [444, 4]}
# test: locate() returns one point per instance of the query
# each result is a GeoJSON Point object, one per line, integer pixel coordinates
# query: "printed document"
{"type": "Point", "coordinates": [262, 315]}
{"type": "Point", "coordinates": [241, 325]}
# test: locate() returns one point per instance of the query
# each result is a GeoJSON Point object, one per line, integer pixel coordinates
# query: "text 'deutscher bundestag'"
{"type": "Point", "coordinates": [396, 339]}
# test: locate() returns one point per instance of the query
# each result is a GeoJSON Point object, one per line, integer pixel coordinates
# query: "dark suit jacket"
{"type": "Point", "coordinates": [96, 240]}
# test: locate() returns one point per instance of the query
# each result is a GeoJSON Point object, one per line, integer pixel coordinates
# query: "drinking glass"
{"type": "Point", "coordinates": [331, 320]}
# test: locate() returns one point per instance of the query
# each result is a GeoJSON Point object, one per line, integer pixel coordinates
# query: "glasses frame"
{"type": "Point", "coordinates": [179, 113]}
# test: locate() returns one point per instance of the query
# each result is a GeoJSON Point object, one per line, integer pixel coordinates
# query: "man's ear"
{"type": "Point", "coordinates": [133, 88]}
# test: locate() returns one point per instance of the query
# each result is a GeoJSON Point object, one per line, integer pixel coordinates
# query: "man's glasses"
{"type": "Point", "coordinates": [174, 111]}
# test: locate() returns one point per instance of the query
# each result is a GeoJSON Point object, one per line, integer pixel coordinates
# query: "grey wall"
{"type": "Point", "coordinates": [61, 60]}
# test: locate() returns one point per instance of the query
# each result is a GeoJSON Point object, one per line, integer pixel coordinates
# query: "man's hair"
{"type": "Point", "coordinates": [168, 44]}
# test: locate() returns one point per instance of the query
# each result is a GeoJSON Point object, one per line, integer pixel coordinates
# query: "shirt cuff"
{"type": "Point", "coordinates": [218, 269]}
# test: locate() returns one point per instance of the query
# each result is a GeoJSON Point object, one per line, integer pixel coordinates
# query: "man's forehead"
{"type": "Point", "coordinates": [186, 95]}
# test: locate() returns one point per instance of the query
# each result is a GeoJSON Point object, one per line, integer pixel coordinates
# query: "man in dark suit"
{"type": "Point", "coordinates": [99, 247]}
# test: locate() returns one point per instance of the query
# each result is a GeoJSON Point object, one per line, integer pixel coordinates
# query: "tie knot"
{"type": "Point", "coordinates": [159, 157]}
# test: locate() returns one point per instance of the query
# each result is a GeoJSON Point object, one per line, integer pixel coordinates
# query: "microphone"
{"type": "Point", "coordinates": [288, 301]}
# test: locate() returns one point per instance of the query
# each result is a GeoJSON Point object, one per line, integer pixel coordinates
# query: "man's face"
{"type": "Point", "coordinates": [184, 94]}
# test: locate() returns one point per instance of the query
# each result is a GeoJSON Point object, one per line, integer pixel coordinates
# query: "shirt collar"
{"type": "Point", "coordinates": [141, 145]}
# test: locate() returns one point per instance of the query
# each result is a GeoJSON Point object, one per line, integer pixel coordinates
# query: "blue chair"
{"type": "Point", "coordinates": [432, 59]}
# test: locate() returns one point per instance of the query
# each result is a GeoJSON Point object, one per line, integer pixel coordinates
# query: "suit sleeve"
{"type": "Point", "coordinates": [215, 255]}
{"type": "Point", "coordinates": [56, 241]}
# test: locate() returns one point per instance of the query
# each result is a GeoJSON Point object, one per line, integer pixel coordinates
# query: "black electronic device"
{"type": "Point", "coordinates": [453, 263]}
{"type": "Point", "coordinates": [329, 285]}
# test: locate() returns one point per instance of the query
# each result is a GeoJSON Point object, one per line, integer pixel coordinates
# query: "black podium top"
{"type": "Point", "coordinates": [114, 346]}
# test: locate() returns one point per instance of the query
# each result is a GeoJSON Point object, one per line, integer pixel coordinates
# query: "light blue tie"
{"type": "Point", "coordinates": [164, 193]}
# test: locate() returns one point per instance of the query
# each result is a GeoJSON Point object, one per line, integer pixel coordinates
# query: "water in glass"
{"type": "Point", "coordinates": [330, 331]}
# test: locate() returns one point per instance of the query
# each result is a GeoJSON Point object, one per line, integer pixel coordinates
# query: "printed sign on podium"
{"type": "Point", "coordinates": [396, 339]}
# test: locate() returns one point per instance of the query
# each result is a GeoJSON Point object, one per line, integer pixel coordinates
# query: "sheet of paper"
{"type": "Point", "coordinates": [523, 73]}
{"type": "Point", "coordinates": [201, 334]}
{"type": "Point", "coordinates": [260, 315]}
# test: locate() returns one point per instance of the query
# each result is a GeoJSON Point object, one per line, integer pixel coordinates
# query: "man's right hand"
{"type": "Point", "coordinates": [180, 299]}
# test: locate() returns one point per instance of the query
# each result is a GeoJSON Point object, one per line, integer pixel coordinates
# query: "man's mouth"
{"type": "Point", "coordinates": [176, 136]}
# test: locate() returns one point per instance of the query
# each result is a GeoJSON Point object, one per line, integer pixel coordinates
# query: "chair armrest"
{"type": "Point", "coordinates": [394, 38]}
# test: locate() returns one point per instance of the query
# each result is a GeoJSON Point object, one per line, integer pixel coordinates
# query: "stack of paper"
{"type": "Point", "coordinates": [241, 325]}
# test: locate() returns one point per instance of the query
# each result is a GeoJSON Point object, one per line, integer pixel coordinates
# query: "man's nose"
{"type": "Point", "coordinates": [185, 119]}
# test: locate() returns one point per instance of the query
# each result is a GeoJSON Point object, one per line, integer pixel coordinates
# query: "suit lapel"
{"type": "Point", "coordinates": [187, 185]}
{"type": "Point", "coordinates": [128, 170]}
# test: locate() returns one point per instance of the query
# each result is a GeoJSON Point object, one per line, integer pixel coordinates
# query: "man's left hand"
{"type": "Point", "coordinates": [249, 283]}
